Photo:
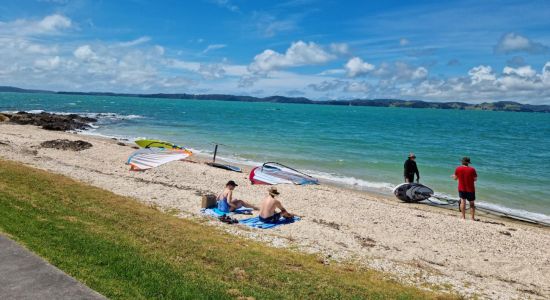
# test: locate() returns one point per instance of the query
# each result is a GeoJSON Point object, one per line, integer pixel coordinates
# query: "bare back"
{"type": "Point", "coordinates": [268, 206]}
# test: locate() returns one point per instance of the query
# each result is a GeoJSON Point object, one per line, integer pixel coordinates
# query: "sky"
{"type": "Point", "coordinates": [470, 51]}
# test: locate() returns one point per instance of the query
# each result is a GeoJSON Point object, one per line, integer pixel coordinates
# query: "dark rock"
{"type": "Point", "coordinates": [66, 145]}
{"type": "Point", "coordinates": [121, 144]}
{"type": "Point", "coordinates": [52, 121]}
{"type": "Point", "coordinates": [4, 118]}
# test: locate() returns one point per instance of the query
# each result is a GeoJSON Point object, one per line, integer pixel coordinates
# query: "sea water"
{"type": "Point", "coordinates": [363, 147]}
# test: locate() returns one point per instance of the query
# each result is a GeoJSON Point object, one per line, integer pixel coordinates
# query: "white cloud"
{"type": "Point", "coordinates": [48, 63]}
{"type": "Point", "coordinates": [84, 52]}
{"type": "Point", "coordinates": [481, 73]}
{"type": "Point", "coordinates": [331, 72]}
{"type": "Point", "coordinates": [52, 24]}
{"type": "Point", "coordinates": [226, 4]}
{"type": "Point", "coordinates": [522, 84]}
{"type": "Point", "coordinates": [513, 42]}
{"type": "Point", "coordinates": [524, 71]}
{"type": "Point", "coordinates": [327, 85]}
{"type": "Point", "coordinates": [357, 87]}
{"type": "Point", "coordinates": [268, 25]}
{"type": "Point", "coordinates": [403, 42]}
{"type": "Point", "coordinates": [211, 71]}
{"type": "Point", "coordinates": [339, 48]}
{"type": "Point", "coordinates": [213, 47]}
{"type": "Point", "coordinates": [298, 54]}
{"type": "Point", "coordinates": [420, 73]}
{"type": "Point", "coordinates": [357, 67]}
{"type": "Point", "coordinates": [159, 50]}
{"type": "Point", "coordinates": [546, 73]}
{"type": "Point", "coordinates": [138, 41]}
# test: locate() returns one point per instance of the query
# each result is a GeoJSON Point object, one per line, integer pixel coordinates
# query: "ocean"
{"type": "Point", "coordinates": [362, 147]}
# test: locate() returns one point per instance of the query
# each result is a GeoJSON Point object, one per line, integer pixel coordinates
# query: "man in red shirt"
{"type": "Point", "coordinates": [466, 177]}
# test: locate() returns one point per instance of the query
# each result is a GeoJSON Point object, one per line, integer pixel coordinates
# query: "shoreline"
{"type": "Point", "coordinates": [414, 243]}
{"type": "Point", "coordinates": [498, 205]}
{"type": "Point", "coordinates": [202, 157]}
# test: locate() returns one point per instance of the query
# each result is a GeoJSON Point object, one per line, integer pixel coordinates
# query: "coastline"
{"type": "Point", "coordinates": [412, 242]}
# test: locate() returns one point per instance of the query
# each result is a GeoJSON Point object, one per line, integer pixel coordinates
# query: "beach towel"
{"type": "Point", "coordinates": [256, 223]}
{"type": "Point", "coordinates": [215, 212]}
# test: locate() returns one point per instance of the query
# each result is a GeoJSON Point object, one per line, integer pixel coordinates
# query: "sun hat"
{"type": "Point", "coordinates": [273, 191]}
{"type": "Point", "coordinates": [411, 155]}
{"type": "Point", "coordinates": [231, 182]}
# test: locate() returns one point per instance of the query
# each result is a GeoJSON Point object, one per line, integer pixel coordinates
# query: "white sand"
{"type": "Point", "coordinates": [415, 243]}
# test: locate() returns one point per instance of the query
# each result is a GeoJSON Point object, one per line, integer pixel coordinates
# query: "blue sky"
{"type": "Point", "coordinates": [469, 51]}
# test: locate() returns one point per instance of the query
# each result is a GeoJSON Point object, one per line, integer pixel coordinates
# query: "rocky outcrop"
{"type": "Point", "coordinates": [51, 121]}
{"type": "Point", "coordinates": [66, 145]}
{"type": "Point", "coordinates": [4, 118]}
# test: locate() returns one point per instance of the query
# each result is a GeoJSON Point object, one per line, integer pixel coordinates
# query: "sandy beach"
{"type": "Point", "coordinates": [493, 258]}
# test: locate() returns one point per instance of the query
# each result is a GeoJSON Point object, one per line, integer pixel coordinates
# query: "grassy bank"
{"type": "Point", "coordinates": [126, 250]}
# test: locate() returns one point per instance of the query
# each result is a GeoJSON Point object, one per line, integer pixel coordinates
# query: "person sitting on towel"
{"type": "Point", "coordinates": [227, 203]}
{"type": "Point", "coordinates": [269, 205]}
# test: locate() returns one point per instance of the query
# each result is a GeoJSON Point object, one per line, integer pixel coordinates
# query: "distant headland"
{"type": "Point", "coordinates": [491, 106]}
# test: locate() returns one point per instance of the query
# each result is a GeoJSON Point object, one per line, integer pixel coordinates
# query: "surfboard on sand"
{"type": "Point", "coordinates": [225, 167]}
{"type": "Point", "coordinates": [412, 192]}
{"type": "Point", "coordinates": [222, 166]}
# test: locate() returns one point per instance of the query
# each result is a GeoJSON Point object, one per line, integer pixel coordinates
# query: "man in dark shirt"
{"type": "Point", "coordinates": [411, 169]}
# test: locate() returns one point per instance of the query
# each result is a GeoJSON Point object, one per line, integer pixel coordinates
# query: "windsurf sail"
{"type": "Point", "coordinates": [412, 192]}
{"type": "Point", "coordinates": [275, 173]}
{"type": "Point", "coordinates": [157, 144]}
{"type": "Point", "coordinates": [148, 158]}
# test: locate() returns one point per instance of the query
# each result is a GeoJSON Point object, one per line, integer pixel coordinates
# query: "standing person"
{"type": "Point", "coordinates": [410, 169]}
{"type": "Point", "coordinates": [466, 177]}
{"type": "Point", "coordinates": [227, 203]}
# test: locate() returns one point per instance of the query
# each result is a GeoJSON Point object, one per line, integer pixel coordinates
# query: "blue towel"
{"type": "Point", "coordinates": [256, 223]}
{"type": "Point", "coordinates": [215, 212]}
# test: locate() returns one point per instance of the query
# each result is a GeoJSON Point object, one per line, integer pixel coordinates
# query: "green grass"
{"type": "Point", "coordinates": [126, 250]}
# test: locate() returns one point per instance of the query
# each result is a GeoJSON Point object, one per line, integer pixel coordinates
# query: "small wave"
{"type": "Point", "coordinates": [496, 209]}
{"type": "Point", "coordinates": [93, 132]}
{"type": "Point", "coordinates": [110, 116]}
{"type": "Point", "coordinates": [352, 181]}
{"type": "Point", "coordinates": [515, 213]}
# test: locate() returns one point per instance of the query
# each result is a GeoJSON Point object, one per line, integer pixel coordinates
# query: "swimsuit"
{"type": "Point", "coordinates": [273, 219]}
{"type": "Point", "coordinates": [223, 205]}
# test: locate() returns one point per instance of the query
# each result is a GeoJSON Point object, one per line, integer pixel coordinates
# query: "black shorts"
{"type": "Point", "coordinates": [273, 219]}
{"type": "Point", "coordinates": [410, 177]}
{"type": "Point", "coordinates": [470, 196]}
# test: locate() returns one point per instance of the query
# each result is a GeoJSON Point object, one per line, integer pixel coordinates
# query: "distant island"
{"type": "Point", "coordinates": [491, 106]}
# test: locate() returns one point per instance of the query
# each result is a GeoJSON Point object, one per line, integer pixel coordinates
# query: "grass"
{"type": "Point", "coordinates": [126, 250]}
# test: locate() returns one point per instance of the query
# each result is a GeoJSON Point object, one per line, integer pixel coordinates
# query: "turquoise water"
{"type": "Point", "coordinates": [360, 146]}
